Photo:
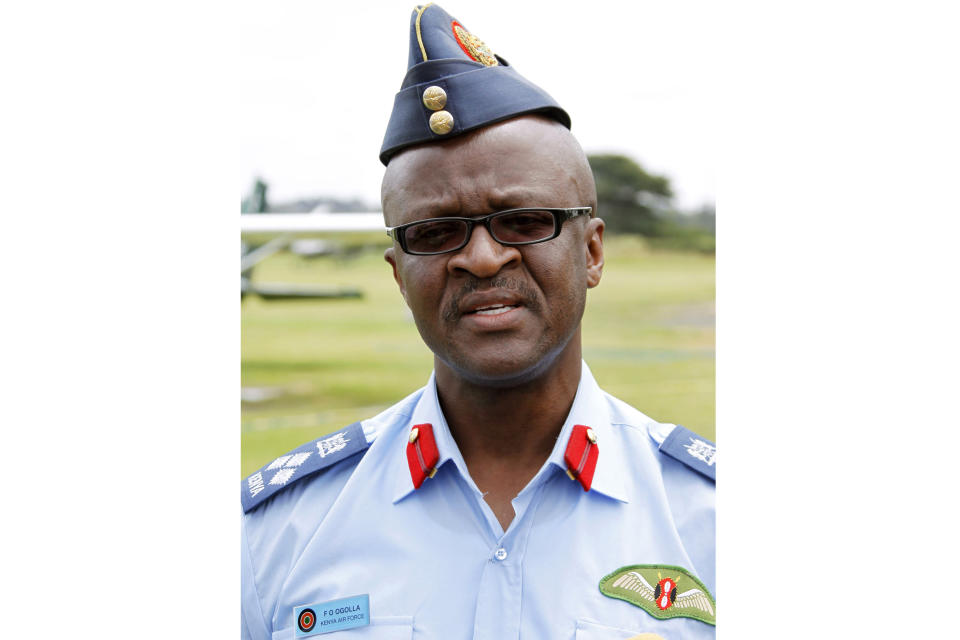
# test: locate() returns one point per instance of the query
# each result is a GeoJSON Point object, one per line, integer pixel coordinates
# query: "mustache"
{"type": "Point", "coordinates": [527, 295]}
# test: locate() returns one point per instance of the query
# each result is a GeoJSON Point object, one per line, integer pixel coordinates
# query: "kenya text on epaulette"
{"type": "Point", "coordinates": [697, 453]}
{"type": "Point", "coordinates": [303, 461]}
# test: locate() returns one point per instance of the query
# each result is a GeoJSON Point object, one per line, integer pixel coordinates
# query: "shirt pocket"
{"type": "Point", "coordinates": [380, 628]}
{"type": "Point", "coordinates": [587, 630]}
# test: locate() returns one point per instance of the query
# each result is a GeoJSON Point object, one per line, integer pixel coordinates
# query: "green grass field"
{"type": "Point", "coordinates": [319, 365]}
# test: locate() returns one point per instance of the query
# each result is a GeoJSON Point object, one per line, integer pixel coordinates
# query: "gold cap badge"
{"type": "Point", "coordinates": [473, 46]}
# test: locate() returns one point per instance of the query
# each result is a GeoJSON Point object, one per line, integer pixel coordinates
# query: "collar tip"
{"type": "Point", "coordinates": [617, 493]}
{"type": "Point", "coordinates": [402, 494]}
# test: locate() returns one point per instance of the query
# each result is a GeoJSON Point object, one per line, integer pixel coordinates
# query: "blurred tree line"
{"type": "Point", "coordinates": [631, 200]}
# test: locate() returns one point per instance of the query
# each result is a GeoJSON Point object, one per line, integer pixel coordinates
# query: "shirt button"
{"type": "Point", "coordinates": [500, 554]}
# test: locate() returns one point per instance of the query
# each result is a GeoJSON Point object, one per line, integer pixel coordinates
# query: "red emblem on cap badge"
{"type": "Point", "coordinates": [473, 46]}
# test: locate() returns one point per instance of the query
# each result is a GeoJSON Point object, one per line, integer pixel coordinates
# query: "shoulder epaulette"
{"type": "Point", "coordinates": [692, 450]}
{"type": "Point", "coordinates": [303, 461]}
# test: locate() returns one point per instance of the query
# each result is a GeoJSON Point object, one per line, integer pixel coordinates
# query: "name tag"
{"type": "Point", "coordinates": [335, 615]}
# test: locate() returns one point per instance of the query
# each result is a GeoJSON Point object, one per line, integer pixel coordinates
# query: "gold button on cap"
{"type": "Point", "coordinates": [413, 435]}
{"type": "Point", "coordinates": [434, 98]}
{"type": "Point", "coordinates": [591, 436]}
{"type": "Point", "coordinates": [441, 122]}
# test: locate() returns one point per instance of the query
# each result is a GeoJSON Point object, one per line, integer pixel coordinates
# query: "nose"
{"type": "Point", "coordinates": [483, 256]}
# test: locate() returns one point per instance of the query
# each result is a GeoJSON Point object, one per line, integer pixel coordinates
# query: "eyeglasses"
{"type": "Point", "coordinates": [511, 228]}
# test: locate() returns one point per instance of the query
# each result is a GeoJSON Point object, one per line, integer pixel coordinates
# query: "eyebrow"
{"type": "Point", "coordinates": [510, 197]}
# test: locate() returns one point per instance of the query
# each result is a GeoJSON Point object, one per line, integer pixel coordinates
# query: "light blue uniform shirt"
{"type": "Point", "coordinates": [435, 561]}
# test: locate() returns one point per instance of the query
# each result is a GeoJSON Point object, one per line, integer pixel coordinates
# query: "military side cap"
{"type": "Point", "coordinates": [455, 84]}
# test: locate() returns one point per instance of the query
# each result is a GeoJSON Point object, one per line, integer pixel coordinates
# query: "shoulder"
{"type": "Point", "coordinates": [326, 457]}
{"type": "Point", "coordinates": [303, 462]}
{"type": "Point", "coordinates": [691, 449]}
{"type": "Point", "coordinates": [672, 442]}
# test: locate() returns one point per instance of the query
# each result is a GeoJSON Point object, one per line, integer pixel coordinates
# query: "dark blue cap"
{"type": "Point", "coordinates": [455, 84]}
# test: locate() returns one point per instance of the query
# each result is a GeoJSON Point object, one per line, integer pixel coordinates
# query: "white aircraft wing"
{"type": "Point", "coordinates": [291, 225]}
{"type": "Point", "coordinates": [277, 230]}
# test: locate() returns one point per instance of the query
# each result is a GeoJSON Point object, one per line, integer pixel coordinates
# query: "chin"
{"type": "Point", "coordinates": [502, 369]}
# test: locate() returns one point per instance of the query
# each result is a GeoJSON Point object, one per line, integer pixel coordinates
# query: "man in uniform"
{"type": "Point", "coordinates": [510, 497]}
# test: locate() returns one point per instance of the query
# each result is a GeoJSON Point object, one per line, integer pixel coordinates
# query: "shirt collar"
{"type": "Point", "coordinates": [590, 408]}
{"type": "Point", "coordinates": [428, 411]}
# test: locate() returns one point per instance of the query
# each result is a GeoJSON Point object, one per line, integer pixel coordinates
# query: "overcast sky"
{"type": "Point", "coordinates": [636, 78]}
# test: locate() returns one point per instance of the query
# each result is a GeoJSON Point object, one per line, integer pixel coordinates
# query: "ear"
{"type": "Point", "coordinates": [594, 247]}
{"type": "Point", "coordinates": [390, 256]}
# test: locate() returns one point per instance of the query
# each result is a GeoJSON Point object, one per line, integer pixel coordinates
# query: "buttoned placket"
{"type": "Point", "coordinates": [499, 594]}
{"type": "Point", "coordinates": [500, 590]}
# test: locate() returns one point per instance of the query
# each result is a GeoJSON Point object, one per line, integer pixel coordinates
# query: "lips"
{"type": "Point", "coordinates": [491, 299]}
{"type": "Point", "coordinates": [492, 316]}
{"type": "Point", "coordinates": [493, 310]}
{"type": "Point", "coordinates": [489, 303]}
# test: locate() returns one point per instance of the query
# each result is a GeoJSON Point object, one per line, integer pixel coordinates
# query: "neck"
{"type": "Point", "coordinates": [515, 425]}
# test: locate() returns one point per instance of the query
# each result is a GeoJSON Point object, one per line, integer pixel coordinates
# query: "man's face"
{"type": "Point", "coordinates": [497, 314]}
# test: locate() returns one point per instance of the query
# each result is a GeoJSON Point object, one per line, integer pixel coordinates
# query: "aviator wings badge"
{"type": "Point", "coordinates": [663, 591]}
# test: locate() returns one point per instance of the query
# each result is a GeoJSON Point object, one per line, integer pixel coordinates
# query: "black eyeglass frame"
{"type": "Point", "coordinates": [559, 217]}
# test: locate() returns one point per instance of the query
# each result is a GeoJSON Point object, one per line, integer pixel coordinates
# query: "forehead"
{"type": "Point", "coordinates": [526, 163]}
